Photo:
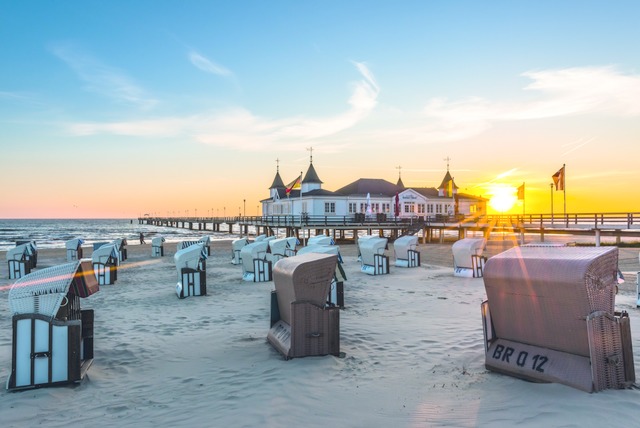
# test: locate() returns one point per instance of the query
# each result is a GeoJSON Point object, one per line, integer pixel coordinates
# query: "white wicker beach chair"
{"type": "Point", "coordinates": [74, 249]}
{"type": "Point", "coordinates": [255, 266]}
{"type": "Point", "coordinates": [157, 246]}
{"type": "Point", "coordinates": [236, 247]}
{"type": "Point", "coordinates": [105, 263]}
{"type": "Point", "coordinates": [18, 261]}
{"type": "Point", "coordinates": [191, 267]}
{"type": "Point", "coordinates": [468, 261]}
{"type": "Point", "coordinates": [405, 249]}
{"type": "Point", "coordinates": [52, 336]}
{"type": "Point", "coordinates": [373, 259]}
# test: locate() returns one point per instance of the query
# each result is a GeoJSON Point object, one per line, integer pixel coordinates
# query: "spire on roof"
{"type": "Point", "coordinates": [277, 180]}
{"type": "Point", "coordinates": [399, 183]}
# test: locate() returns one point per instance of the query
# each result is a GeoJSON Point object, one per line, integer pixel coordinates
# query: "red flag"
{"type": "Point", "coordinates": [521, 192]}
{"type": "Point", "coordinates": [294, 185]}
{"type": "Point", "coordinates": [558, 179]}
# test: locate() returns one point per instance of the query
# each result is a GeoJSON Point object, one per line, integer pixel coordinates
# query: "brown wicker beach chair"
{"type": "Point", "coordinates": [549, 317]}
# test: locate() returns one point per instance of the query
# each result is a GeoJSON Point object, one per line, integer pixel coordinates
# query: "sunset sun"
{"type": "Point", "coordinates": [503, 197]}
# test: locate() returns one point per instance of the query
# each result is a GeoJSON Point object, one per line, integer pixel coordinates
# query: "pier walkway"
{"type": "Point", "coordinates": [430, 229]}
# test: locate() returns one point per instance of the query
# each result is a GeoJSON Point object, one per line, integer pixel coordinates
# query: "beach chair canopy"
{"type": "Point", "coordinates": [463, 249]}
{"type": "Point", "coordinates": [260, 238]}
{"type": "Point", "coordinates": [119, 243]}
{"type": "Point", "coordinates": [370, 246]}
{"type": "Point", "coordinates": [320, 240]}
{"type": "Point", "coordinates": [403, 244]}
{"type": "Point", "coordinates": [18, 252]}
{"type": "Point", "coordinates": [278, 245]}
{"type": "Point", "coordinates": [255, 250]}
{"type": "Point", "coordinates": [237, 244]}
{"type": "Point", "coordinates": [206, 240]}
{"type": "Point", "coordinates": [321, 249]}
{"type": "Point", "coordinates": [190, 257]}
{"type": "Point", "coordinates": [73, 244]}
{"type": "Point", "coordinates": [303, 278]}
{"type": "Point", "coordinates": [103, 253]}
{"type": "Point", "coordinates": [157, 241]}
{"type": "Point", "coordinates": [44, 291]}
{"type": "Point", "coordinates": [543, 295]}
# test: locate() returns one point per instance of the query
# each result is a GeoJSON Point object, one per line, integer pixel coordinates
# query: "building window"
{"type": "Point", "coordinates": [409, 207]}
{"type": "Point", "coordinates": [329, 207]}
{"type": "Point", "coordinates": [386, 208]}
{"type": "Point", "coordinates": [420, 208]}
{"type": "Point", "coordinates": [353, 207]}
{"type": "Point", "coordinates": [430, 208]}
{"type": "Point", "coordinates": [438, 209]}
{"type": "Point", "coordinates": [472, 209]}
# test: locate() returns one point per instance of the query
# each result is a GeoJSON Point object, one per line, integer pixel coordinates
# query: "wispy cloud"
{"type": "Point", "coordinates": [207, 65]}
{"type": "Point", "coordinates": [241, 129]}
{"type": "Point", "coordinates": [561, 92]}
{"type": "Point", "coordinates": [101, 78]}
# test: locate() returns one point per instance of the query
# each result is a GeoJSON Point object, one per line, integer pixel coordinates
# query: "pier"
{"type": "Point", "coordinates": [430, 229]}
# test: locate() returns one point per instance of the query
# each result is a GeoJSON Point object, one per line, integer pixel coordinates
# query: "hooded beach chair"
{"type": "Point", "coordinates": [105, 263]}
{"type": "Point", "coordinates": [549, 317]}
{"type": "Point", "coordinates": [362, 238]}
{"type": "Point", "coordinates": [255, 266]}
{"type": "Point", "coordinates": [301, 323]}
{"type": "Point", "coordinates": [406, 253]}
{"type": "Point", "coordinates": [121, 248]}
{"type": "Point", "coordinates": [320, 240]}
{"type": "Point", "coordinates": [18, 261]}
{"type": "Point", "coordinates": [32, 253]}
{"type": "Point", "coordinates": [336, 293]}
{"type": "Point", "coordinates": [191, 267]}
{"type": "Point", "coordinates": [468, 261]}
{"type": "Point", "coordinates": [206, 244]}
{"type": "Point", "coordinates": [281, 247]}
{"type": "Point", "coordinates": [74, 249]}
{"type": "Point", "coordinates": [372, 258]}
{"type": "Point", "coordinates": [52, 336]}
{"type": "Point", "coordinates": [236, 246]}
{"type": "Point", "coordinates": [157, 246]}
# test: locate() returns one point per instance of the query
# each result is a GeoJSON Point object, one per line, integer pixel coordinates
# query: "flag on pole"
{"type": "Point", "coordinates": [449, 188]}
{"type": "Point", "coordinates": [294, 185]}
{"type": "Point", "coordinates": [521, 192]}
{"type": "Point", "coordinates": [558, 179]}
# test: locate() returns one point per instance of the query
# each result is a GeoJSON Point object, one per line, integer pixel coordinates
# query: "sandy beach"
{"type": "Point", "coordinates": [412, 343]}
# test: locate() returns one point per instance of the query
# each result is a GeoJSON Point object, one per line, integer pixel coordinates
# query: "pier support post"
{"type": "Point", "coordinates": [597, 237]}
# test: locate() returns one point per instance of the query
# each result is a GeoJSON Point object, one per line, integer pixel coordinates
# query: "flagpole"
{"type": "Point", "coordinates": [300, 199]}
{"type": "Point", "coordinates": [564, 188]}
{"type": "Point", "coordinates": [523, 202]}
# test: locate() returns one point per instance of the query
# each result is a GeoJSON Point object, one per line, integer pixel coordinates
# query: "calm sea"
{"type": "Point", "coordinates": [54, 233]}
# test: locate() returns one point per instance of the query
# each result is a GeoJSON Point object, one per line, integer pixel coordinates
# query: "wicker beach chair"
{"type": "Point", "coordinates": [336, 293]}
{"type": "Point", "coordinates": [372, 258]}
{"type": "Point", "coordinates": [121, 248]}
{"type": "Point", "coordinates": [52, 336]}
{"type": "Point", "coordinates": [236, 247]}
{"type": "Point", "coordinates": [405, 249]}
{"type": "Point", "coordinates": [105, 261]}
{"type": "Point", "coordinates": [191, 267]}
{"type": "Point", "coordinates": [18, 261]}
{"type": "Point", "coordinates": [320, 240]}
{"type": "Point", "coordinates": [468, 260]}
{"type": "Point", "coordinates": [157, 246]}
{"type": "Point", "coordinates": [74, 249]}
{"type": "Point", "coordinates": [255, 266]}
{"type": "Point", "coordinates": [549, 317]}
{"type": "Point", "coordinates": [301, 322]}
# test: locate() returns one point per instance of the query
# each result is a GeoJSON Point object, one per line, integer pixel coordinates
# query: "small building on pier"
{"type": "Point", "coordinates": [371, 197]}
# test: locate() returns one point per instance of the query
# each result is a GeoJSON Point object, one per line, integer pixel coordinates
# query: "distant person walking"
{"type": "Point", "coordinates": [142, 239]}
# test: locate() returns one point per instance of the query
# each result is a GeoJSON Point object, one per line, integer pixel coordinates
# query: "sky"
{"type": "Point", "coordinates": [116, 109]}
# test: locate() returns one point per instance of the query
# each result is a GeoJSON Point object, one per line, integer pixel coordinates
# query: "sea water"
{"type": "Point", "coordinates": [54, 233]}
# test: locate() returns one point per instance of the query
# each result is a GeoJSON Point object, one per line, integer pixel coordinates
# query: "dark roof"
{"type": "Point", "coordinates": [445, 180]}
{"type": "Point", "coordinates": [400, 183]}
{"type": "Point", "coordinates": [373, 186]}
{"type": "Point", "coordinates": [277, 182]}
{"type": "Point", "coordinates": [311, 176]}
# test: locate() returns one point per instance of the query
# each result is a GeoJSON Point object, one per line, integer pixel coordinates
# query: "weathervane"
{"type": "Point", "coordinates": [447, 159]}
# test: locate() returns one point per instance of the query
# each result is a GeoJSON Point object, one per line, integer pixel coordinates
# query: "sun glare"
{"type": "Point", "coordinates": [503, 197]}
